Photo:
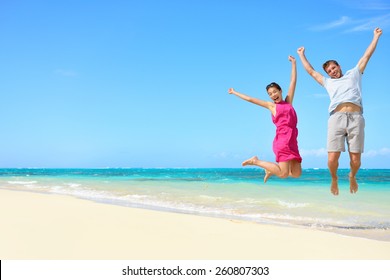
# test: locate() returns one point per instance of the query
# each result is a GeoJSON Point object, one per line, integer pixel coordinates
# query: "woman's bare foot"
{"type": "Point", "coordinates": [250, 161]}
{"type": "Point", "coordinates": [334, 187]}
{"type": "Point", "coordinates": [353, 185]}
{"type": "Point", "coordinates": [267, 175]}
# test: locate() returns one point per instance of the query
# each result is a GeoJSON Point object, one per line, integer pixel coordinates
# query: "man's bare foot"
{"type": "Point", "coordinates": [353, 185]}
{"type": "Point", "coordinates": [250, 161]}
{"type": "Point", "coordinates": [334, 187]}
{"type": "Point", "coordinates": [267, 175]}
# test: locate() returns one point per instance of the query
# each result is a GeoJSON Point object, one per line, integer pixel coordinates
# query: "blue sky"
{"type": "Point", "coordinates": [144, 83]}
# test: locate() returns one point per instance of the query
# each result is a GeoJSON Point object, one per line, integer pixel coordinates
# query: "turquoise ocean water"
{"type": "Point", "coordinates": [228, 193]}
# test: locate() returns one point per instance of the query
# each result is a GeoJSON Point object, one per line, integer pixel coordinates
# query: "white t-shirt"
{"type": "Point", "coordinates": [348, 88]}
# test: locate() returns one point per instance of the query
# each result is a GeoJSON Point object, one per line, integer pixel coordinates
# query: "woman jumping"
{"type": "Point", "coordinates": [285, 144]}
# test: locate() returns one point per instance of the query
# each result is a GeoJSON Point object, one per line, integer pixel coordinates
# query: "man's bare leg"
{"type": "Point", "coordinates": [355, 165]}
{"type": "Point", "coordinates": [333, 165]}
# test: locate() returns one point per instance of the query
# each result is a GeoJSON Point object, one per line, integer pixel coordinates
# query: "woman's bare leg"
{"type": "Point", "coordinates": [281, 170]}
{"type": "Point", "coordinates": [267, 175]}
{"type": "Point", "coordinates": [295, 169]}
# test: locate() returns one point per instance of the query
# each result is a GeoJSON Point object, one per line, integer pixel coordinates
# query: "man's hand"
{"type": "Point", "coordinates": [377, 32]}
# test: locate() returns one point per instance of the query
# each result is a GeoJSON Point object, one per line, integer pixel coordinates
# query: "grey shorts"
{"type": "Point", "coordinates": [346, 127]}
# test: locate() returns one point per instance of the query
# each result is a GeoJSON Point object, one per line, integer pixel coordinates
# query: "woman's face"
{"type": "Point", "coordinates": [275, 94]}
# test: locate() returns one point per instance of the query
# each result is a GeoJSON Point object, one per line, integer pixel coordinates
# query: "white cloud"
{"type": "Point", "coordinates": [371, 23]}
{"type": "Point", "coordinates": [375, 153]}
{"type": "Point", "coordinates": [321, 152]}
{"type": "Point", "coordinates": [222, 155]}
{"type": "Point", "coordinates": [352, 25]}
{"type": "Point", "coordinates": [376, 5]}
{"type": "Point", "coordinates": [226, 155]}
{"type": "Point", "coordinates": [320, 95]}
{"type": "Point", "coordinates": [331, 25]}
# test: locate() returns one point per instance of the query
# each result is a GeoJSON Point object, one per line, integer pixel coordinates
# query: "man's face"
{"type": "Point", "coordinates": [333, 70]}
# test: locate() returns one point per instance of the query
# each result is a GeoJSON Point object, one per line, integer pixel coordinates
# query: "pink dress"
{"type": "Point", "coordinates": [285, 144]}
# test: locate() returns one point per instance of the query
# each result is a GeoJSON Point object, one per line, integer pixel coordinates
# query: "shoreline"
{"type": "Point", "coordinates": [49, 226]}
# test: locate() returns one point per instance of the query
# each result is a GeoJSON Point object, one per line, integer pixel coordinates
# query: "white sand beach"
{"type": "Point", "coordinates": [46, 227]}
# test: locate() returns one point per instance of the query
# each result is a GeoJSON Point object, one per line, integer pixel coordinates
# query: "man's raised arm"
{"type": "Point", "coordinates": [370, 50]}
